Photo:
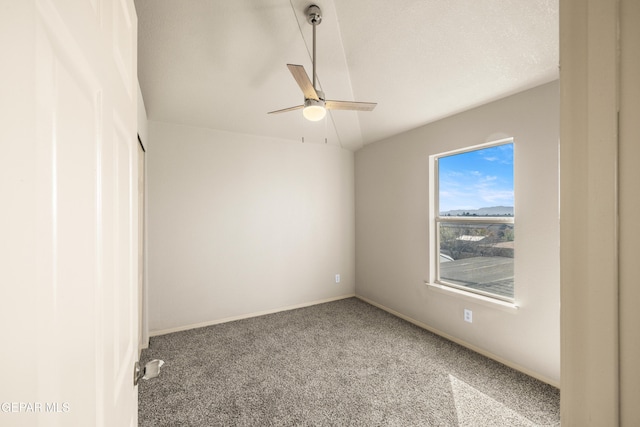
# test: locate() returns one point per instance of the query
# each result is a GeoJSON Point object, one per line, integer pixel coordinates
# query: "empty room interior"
{"type": "Point", "coordinates": [244, 217]}
{"type": "Point", "coordinates": [251, 213]}
{"type": "Point", "coordinates": [350, 213]}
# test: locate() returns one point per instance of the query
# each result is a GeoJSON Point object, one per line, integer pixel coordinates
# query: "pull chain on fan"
{"type": "Point", "coordinates": [315, 106]}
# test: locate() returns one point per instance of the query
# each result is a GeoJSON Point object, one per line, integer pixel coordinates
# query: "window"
{"type": "Point", "coordinates": [474, 220]}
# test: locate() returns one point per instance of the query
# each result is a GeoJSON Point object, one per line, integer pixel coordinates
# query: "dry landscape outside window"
{"type": "Point", "coordinates": [475, 220]}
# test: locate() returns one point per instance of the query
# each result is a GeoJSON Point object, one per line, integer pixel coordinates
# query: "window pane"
{"type": "Point", "coordinates": [477, 183]}
{"type": "Point", "coordinates": [478, 256]}
{"type": "Point", "coordinates": [473, 254]}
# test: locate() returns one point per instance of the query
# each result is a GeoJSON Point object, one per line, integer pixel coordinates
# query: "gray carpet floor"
{"type": "Point", "coordinates": [344, 363]}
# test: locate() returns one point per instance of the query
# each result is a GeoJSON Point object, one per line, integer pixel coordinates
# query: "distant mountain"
{"type": "Point", "coordinates": [492, 211]}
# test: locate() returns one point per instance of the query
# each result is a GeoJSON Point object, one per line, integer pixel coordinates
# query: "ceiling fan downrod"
{"type": "Point", "coordinates": [314, 17]}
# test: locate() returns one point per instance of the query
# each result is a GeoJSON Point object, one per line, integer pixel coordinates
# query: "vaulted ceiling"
{"type": "Point", "coordinates": [221, 64]}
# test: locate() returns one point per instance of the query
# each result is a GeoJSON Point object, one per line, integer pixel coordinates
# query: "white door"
{"type": "Point", "coordinates": [69, 181]}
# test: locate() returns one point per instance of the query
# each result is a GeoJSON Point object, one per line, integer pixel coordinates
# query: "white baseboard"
{"type": "Point", "coordinates": [463, 343]}
{"type": "Point", "coordinates": [246, 316]}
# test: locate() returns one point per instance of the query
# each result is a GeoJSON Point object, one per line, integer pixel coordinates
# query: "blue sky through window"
{"type": "Point", "coordinates": [476, 179]}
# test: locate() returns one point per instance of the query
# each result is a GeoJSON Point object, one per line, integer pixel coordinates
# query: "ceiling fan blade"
{"type": "Point", "coordinates": [350, 105]}
{"type": "Point", "coordinates": [303, 81]}
{"type": "Point", "coordinates": [284, 110]}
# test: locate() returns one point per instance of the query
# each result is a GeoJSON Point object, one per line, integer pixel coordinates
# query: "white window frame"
{"type": "Point", "coordinates": [436, 220]}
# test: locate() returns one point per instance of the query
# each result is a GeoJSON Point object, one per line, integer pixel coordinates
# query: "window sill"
{"type": "Point", "coordinates": [472, 297]}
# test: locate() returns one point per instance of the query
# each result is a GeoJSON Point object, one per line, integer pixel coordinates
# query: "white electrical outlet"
{"type": "Point", "coordinates": [468, 315]}
{"type": "Point", "coordinates": [337, 278]}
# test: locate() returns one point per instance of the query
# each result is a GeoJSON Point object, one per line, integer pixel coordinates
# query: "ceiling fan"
{"type": "Point", "coordinates": [315, 105]}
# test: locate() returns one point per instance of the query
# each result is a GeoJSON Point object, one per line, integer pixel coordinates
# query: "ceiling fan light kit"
{"type": "Point", "coordinates": [314, 110]}
{"type": "Point", "coordinates": [315, 107]}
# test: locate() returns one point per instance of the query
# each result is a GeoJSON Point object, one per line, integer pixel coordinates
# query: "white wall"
{"type": "Point", "coordinates": [392, 230]}
{"type": "Point", "coordinates": [242, 224]}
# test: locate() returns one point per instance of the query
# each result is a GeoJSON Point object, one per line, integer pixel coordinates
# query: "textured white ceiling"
{"type": "Point", "coordinates": [222, 64]}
